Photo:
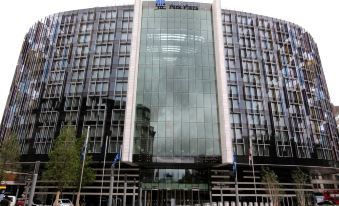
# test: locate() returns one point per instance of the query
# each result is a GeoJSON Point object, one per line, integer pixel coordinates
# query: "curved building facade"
{"type": "Point", "coordinates": [184, 91]}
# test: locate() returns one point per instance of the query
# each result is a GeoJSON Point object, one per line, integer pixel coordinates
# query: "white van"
{"type": "Point", "coordinates": [65, 202]}
{"type": "Point", "coordinates": [12, 199]}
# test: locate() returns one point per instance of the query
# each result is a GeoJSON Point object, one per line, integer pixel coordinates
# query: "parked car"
{"type": "Point", "coordinates": [318, 197]}
{"type": "Point", "coordinates": [65, 202]}
{"type": "Point", "coordinates": [325, 203]}
{"type": "Point", "coordinates": [37, 204]}
{"type": "Point", "coordinates": [20, 202]}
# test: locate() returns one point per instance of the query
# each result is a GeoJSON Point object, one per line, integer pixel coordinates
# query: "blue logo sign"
{"type": "Point", "coordinates": [160, 3]}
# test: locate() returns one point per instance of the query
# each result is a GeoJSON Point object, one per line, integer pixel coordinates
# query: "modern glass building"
{"type": "Point", "coordinates": [183, 90]}
{"type": "Point", "coordinates": [336, 114]}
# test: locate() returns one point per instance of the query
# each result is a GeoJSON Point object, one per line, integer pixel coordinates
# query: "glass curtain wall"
{"type": "Point", "coordinates": [176, 86]}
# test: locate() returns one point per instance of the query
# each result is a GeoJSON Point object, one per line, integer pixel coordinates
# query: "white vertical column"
{"type": "Point", "coordinates": [222, 91]}
{"type": "Point", "coordinates": [128, 140]}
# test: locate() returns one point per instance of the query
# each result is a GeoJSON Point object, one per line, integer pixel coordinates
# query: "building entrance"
{"type": "Point", "coordinates": [174, 197]}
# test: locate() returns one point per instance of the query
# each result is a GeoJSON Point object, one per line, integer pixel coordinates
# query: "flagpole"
{"type": "Point", "coordinates": [235, 173]}
{"type": "Point", "coordinates": [255, 185]}
{"type": "Point", "coordinates": [111, 183]}
{"type": "Point", "coordinates": [235, 159]}
{"type": "Point", "coordinates": [82, 168]}
{"type": "Point", "coordinates": [116, 194]}
{"type": "Point", "coordinates": [103, 171]}
{"type": "Point", "coordinates": [253, 173]}
{"type": "Point", "coordinates": [236, 186]}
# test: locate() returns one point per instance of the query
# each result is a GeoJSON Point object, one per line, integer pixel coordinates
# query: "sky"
{"type": "Point", "coordinates": [319, 18]}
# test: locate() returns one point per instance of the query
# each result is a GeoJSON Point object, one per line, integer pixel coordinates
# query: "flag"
{"type": "Point", "coordinates": [82, 153]}
{"type": "Point", "coordinates": [116, 159]}
{"type": "Point", "coordinates": [84, 147]}
{"type": "Point", "coordinates": [234, 164]}
{"type": "Point", "coordinates": [250, 153]}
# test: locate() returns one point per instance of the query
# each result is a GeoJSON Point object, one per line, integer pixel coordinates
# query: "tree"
{"type": "Point", "coordinates": [300, 178]}
{"type": "Point", "coordinates": [64, 163]}
{"type": "Point", "coordinates": [9, 155]}
{"type": "Point", "coordinates": [272, 185]}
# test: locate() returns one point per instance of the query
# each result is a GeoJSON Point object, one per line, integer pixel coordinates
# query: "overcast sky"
{"type": "Point", "coordinates": [319, 18]}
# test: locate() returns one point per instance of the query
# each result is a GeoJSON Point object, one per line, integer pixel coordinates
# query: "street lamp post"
{"type": "Point", "coordinates": [35, 178]}
{"type": "Point", "coordinates": [77, 203]}
{"type": "Point", "coordinates": [103, 171]}
{"type": "Point", "coordinates": [111, 182]}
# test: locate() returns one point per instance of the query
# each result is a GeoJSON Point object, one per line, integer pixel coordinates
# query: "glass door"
{"type": "Point", "coordinates": [174, 197]}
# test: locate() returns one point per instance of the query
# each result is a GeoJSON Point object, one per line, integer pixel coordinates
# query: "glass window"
{"type": "Point", "coordinates": [228, 28]}
{"type": "Point", "coordinates": [121, 87]}
{"type": "Point", "coordinates": [237, 133]}
{"type": "Point", "coordinates": [99, 37]}
{"type": "Point", "coordinates": [229, 39]}
{"type": "Point", "coordinates": [124, 48]}
{"type": "Point", "coordinates": [236, 118]}
{"type": "Point", "coordinates": [123, 60]}
{"type": "Point", "coordinates": [227, 17]}
{"type": "Point", "coordinates": [111, 36]}
{"type": "Point", "coordinates": [235, 103]}
{"type": "Point", "coordinates": [233, 90]}
{"type": "Point", "coordinates": [105, 87]}
{"type": "Point", "coordinates": [121, 73]}
{"type": "Point", "coordinates": [229, 52]}
{"type": "Point", "coordinates": [106, 25]}
{"type": "Point", "coordinates": [86, 27]}
{"type": "Point", "coordinates": [84, 38]}
{"type": "Point", "coordinates": [128, 13]}
{"type": "Point", "coordinates": [125, 24]}
{"type": "Point", "coordinates": [96, 61]}
{"type": "Point", "coordinates": [126, 36]}
{"type": "Point", "coordinates": [102, 61]}
{"type": "Point", "coordinates": [233, 76]}
{"type": "Point", "coordinates": [101, 26]}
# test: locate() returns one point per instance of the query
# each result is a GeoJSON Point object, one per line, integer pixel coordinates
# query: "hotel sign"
{"type": "Point", "coordinates": [161, 4]}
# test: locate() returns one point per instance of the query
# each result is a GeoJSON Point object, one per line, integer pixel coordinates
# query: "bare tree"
{"type": "Point", "coordinates": [300, 179]}
{"type": "Point", "coordinates": [272, 185]}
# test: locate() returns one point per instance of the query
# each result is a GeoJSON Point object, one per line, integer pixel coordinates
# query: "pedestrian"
{"type": "Point", "coordinates": [5, 201]}
{"type": "Point", "coordinates": [2, 195]}
{"type": "Point", "coordinates": [83, 202]}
